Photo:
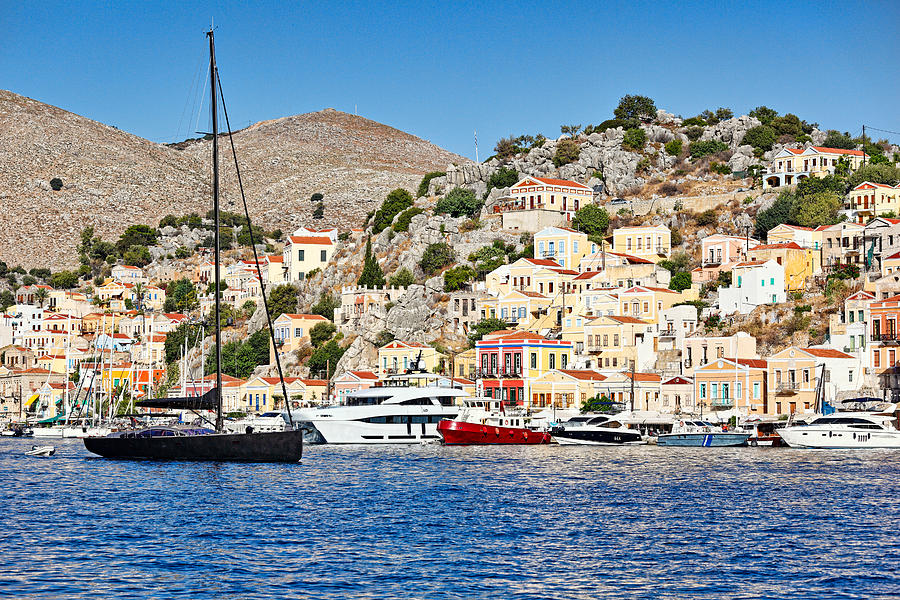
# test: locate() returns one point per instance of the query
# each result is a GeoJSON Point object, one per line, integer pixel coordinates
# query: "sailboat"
{"type": "Point", "coordinates": [201, 443]}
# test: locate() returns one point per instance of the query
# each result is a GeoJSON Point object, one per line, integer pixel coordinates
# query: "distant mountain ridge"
{"type": "Point", "coordinates": [112, 179]}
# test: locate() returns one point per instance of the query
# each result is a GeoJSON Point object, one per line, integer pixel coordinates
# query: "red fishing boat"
{"type": "Point", "coordinates": [487, 422]}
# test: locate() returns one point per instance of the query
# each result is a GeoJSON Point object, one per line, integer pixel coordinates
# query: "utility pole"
{"type": "Point", "coordinates": [327, 377]}
{"type": "Point", "coordinates": [864, 145]}
{"type": "Point", "coordinates": [632, 386]}
{"type": "Point", "coordinates": [747, 240]}
{"type": "Point", "coordinates": [476, 146]}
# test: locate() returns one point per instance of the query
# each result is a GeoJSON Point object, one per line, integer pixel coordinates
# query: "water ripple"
{"type": "Point", "coordinates": [434, 522]}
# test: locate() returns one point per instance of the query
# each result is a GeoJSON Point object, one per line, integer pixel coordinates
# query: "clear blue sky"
{"type": "Point", "coordinates": [440, 70]}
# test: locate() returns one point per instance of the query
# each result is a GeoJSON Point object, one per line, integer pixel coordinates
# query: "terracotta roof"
{"type": "Point", "coordinates": [584, 374]}
{"type": "Point", "coordinates": [531, 294]}
{"type": "Point", "coordinates": [751, 263]}
{"type": "Point", "coordinates": [837, 151]}
{"type": "Point", "coordinates": [565, 271]}
{"type": "Point", "coordinates": [893, 256]}
{"type": "Point", "coordinates": [518, 335]}
{"type": "Point", "coordinates": [624, 319]}
{"type": "Point", "coordinates": [544, 262]}
{"type": "Point", "coordinates": [463, 381]}
{"type": "Point", "coordinates": [677, 380]}
{"type": "Point", "coordinates": [275, 259]}
{"type": "Point", "coordinates": [795, 150]}
{"type": "Point", "coordinates": [174, 316]}
{"type": "Point", "coordinates": [304, 316]}
{"type": "Point", "coordinates": [782, 246]}
{"type": "Point", "coordinates": [796, 227]}
{"type": "Point", "coordinates": [314, 382]}
{"type": "Point", "coordinates": [889, 220]}
{"type": "Point", "coordinates": [308, 239]}
{"type": "Point", "coordinates": [588, 275]}
{"type": "Point", "coordinates": [756, 363]}
{"type": "Point", "coordinates": [365, 374]}
{"type": "Point", "coordinates": [827, 353]}
{"type": "Point", "coordinates": [643, 376]}
{"type": "Point", "coordinates": [559, 182]}
{"type": "Point", "coordinates": [869, 183]}
{"type": "Point", "coordinates": [634, 259]}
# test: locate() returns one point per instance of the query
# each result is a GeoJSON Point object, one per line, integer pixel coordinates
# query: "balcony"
{"type": "Point", "coordinates": [667, 333]}
{"type": "Point", "coordinates": [498, 374]}
{"type": "Point", "coordinates": [885, 338]}
{"type": "Point", "coordinates": [789, 388]}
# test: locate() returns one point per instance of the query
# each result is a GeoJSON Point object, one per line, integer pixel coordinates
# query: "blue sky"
{"type": "Point", "coordinates": [441, 70]}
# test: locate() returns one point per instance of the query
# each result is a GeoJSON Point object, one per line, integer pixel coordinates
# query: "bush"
{"type": "Point", "coordinates": [397, 201]}
{"type": "Point", "coordinates": [567, 151]}
{"type": "Point", "coordinates": [182, 252]}
{"type": "Point", "coordinates": [635, 139]}
{"type": "Point", "coordinates": [764, 114]}
{"type": "Point", "coordinates": [56, 184]}
{"type": "Point", "coordinates": [423, 185]}
{"type": "Point", "coordinates": [137, 256]}
{"type": "Point", "coordinates": [485, 326]}
{"type": "Point", "coordinates": [317, 197]}
{"type": "Point", "coordinates": [720, 168]}
{"type": "Point", "coordinates": [693, 133]}
{"type": "Point", "coordinates": [402, 278]}
{"type": "Point", "coordinates": [643, 165]}
{"type": "Point", "coordinates": [674, 147]}
{"type": "Point", "coordinates": [635, 109]}
{"type": "Point", "coordinates": [168, 221]}
{"type": "Point", "coordinates": [502, 178]}
{"type": "Point", "coordinates": [64, 280]}
{"type": "Point", "coordinates": [762, 138]}
{"type": "Point", "coordinates": [136, 235]}
{"type": "Point", "coordinates": [707, 217]}
{"type": "Point", "coordinates": [459, 202]}
{"type": "Point", "coordinates": [778, 213]}
{"type": "Point", "coordinates": [321, 333]}
{"type": "Point", "coordinates": [676, 238]}
{"type": "Point", "coordinates": [608, 124]}
{"type": "Point", "coordinates": [402, 222]}
{"type": "Point", "coordinates": [668, 188]}
{"type": "Point", "coordinates": [680, 281]}
{"type": "Point", "coordinates": [488, 258]}
{"type": "Point", "coordinates": [325, 306]}
{"type": "Point", "coordinates": [707, 147]}
{"type": "Point", "coordinates": [436, 257]}
{"type": "Point", "coordinates": [312, 273]}
{"type": "Point", "coordinates": [457, 277]}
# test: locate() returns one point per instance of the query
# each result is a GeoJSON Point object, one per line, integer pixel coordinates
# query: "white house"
{"type": "Point", "coordinates": [674, 324]}
{"type": "Point", "coordinates": [753, 284]}
{"type": "Point", "coordinates": [128, 274]}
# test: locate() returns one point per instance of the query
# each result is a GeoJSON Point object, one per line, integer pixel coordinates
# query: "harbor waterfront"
{"type": "Point", "coordinates": [430, 521]}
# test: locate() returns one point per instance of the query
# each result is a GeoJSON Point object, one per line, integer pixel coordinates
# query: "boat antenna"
{"type": "Point", "coordinates": [215, 154]}
{"type": "Point", "coordinates": [262, 285]}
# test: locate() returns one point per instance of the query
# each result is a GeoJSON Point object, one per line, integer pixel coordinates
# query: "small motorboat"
{"type": "Point", "coordinates": [43, 451]}
{"type": "Point", "coordinates": [702, 435]}
{"type": "Point", "coordinates": [595, 430]}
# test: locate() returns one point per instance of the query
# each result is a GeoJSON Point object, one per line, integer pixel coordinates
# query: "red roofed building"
{"type": "Point", "coordinates": [869, 200]}
{"type": "Point", "coordinates": [541, 193]}
{"type": "Point", "coordinates": [800, 264]}
{"type": "Point", "coordinates": [724, 384]}
{"type": "Point", "coordinates": [304, 253]}
{"type": "Point", "coordinates": [792, 165]}
{"type": "Point", "coordinates": [353, 381]}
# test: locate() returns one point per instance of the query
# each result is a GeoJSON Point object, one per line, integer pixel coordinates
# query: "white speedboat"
{"type": "Point", "coordinates": [844, 430]}
{"type": "Point", "coordinates": [42, 451]}
{"type": "Point", "coordinates": [384, 415]}
{"type": "Point", "coordinates": [595, 430]}
{"type": "Point", "coordinates": [70, 431]}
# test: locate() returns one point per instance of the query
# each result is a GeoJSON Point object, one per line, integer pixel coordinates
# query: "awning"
{"type": "Point", "coordinates": [52, 419]}
{"type": "Point", "coordinates": [31, 400]}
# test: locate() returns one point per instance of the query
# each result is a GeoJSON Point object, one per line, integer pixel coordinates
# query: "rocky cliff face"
{"type": "Point", "coordinates": [112, 179]}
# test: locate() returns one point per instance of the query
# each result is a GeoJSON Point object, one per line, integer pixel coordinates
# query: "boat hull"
{"type": "Point", "coordinates": [703, 440]}
{"type": "Point", "coordinates": [276, 446]}
{"type": "Point", "coordinates": [460, 433]}
{"type": "Point", "coordinates": [811, 437]}
{"type": "Point", "coordinates": [596, 437]}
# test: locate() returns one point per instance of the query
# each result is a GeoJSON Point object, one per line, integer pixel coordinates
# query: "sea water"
{"type": "Point", "coordinates": [462, 522]}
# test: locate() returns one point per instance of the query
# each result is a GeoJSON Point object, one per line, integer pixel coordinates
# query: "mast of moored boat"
{"type": "Point", "coordinates": [215, 158]}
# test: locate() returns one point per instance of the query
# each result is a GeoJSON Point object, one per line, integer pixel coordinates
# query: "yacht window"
{"type": "Point", "coordinates": [420, 418]}
{"type": "Point", "coordinates": [417, 402]}
{"type": "Point", "coordinates": [451, 401]}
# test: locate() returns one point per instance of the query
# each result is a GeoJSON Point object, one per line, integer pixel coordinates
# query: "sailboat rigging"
{"type": "Point", "coordinates": [169, 443]}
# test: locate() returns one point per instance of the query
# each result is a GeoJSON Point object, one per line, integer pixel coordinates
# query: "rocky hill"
{"type": "Point", "coordinates": [112, 179]}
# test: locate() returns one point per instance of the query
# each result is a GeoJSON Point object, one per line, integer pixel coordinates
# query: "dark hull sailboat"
{"type": "Point", "coordinates": [169, 443]}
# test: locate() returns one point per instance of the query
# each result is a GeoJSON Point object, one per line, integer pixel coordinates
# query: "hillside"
{"type": "Point", "coordinates": [112, 178]}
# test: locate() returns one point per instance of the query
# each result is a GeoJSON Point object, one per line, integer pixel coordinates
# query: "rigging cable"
{"type": "Point", "coordinates": [262, 286]}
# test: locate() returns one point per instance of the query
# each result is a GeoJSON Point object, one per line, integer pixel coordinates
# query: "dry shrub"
{"type": "Point", "coordinates": [669, 188]}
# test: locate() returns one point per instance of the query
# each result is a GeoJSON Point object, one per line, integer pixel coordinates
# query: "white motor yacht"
{"type": "Point", "coordinates": [845, 430]}
{"type": "Point", "coordinates": [384, 415]}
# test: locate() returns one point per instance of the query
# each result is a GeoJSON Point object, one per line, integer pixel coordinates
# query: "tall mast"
{"type": "Point", "coordinates": [215, 134]}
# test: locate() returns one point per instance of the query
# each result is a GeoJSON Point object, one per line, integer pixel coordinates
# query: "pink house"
{"type": "Point", "coordinates": [353, 381]}
{"type": "Point", "coordinates": [720, 253]}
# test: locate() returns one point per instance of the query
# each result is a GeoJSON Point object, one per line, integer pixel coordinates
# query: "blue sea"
{"type": "Point", "coordinates": [435, 522]}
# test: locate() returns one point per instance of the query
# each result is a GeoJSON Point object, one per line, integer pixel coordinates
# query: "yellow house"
{"type": "Point", "coordinates": [304, 253]}
{"type": "Point", "coordinates": [566, 388]}
{"type": "Point", "coordinates": [646, 303]}
{"type": "Point", "coordinates": [398, 357]}
{"type": "Point", "coordinates": [728, 384]}
{"type": "Point", "coordinates": [523, 275]}
{"type": "Point", "coordinates": [563, 195]}
{"type": "Point", "coordinates": [891, 264]}
{"type": "Point", "coordinates": [869, 200]}
{"type": "Point", "coordinates": [292, 330]}
{"type": "Point", "coordinates": [800, 264]}
{"type": "Point", "coordinates": [263, 394]}
{"type": "Point", "coordinates": [651, 242]}
{"type": "Point", "coordinates": [518, 307]}
{"type": "Point", "coordinates": [564, 245]}
{"type": "Point", "coordinates": [614, 340]}
{"type": "Point", "coordinates": [639, 391]}
{"type": "Point", "coordinates": [464, 364]}
{"type": "Point", "coordinates": [805, 237]}
{"type": "Point", "coordinates": [791, 165]}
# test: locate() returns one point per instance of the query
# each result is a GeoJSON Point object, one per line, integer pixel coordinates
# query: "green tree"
{"type": "Point", "coordinates": [372, 275]}
{"type": "Point", "coordinates": [136, 235]}
{"type": "Point", "coordinates": [680, 261]}
{"type": "Point", "coordinates": [325, 357]}
{"type": "Point", "coordinates": [402, 278]}
{"type": "Point", "coordinates": [87, 240]}
{"type": "Point", "coordinates": [761, 138]}
{"type": "Point", "coordinates": [635, 139]}
{"type": "Point", "coordinates": [423, 185]}
{"type": "Point", "coordinates": [317, 197]}
{"type": "Point", "coordinates": [459, 202]}
{"type": "Point", "coordinates": [402, 222]}
{"type": "Point", "coordinates": [56, 184]}
{"type": "Point", "coordinates": [488, 258]}
{"type": "Point", "coordinates": [64, 280]}
{"type": "Point", "coordinates": [101, 250]}
{"type": "Point", "coordinates": [28, 280]}
{"type": "Point", "coordinates": [168, 221]}
{"type": "Point", "coordinates": [457, 277]}
{"type": "Point", "coordinates": [436, 257]}
{"type": "Point", "coordinates": [592, 220]}
{"type": "Point", "coordinates": [680, 281]}
{"type": "Point", "coordinates": [502, 178]}
{"type": "Point", "coordinates": [887, 174]}
{"type": "Point", "coordinates": [137, 256]}
{"type": "Point", "coordinates": [789, 124]}
{"type": "Point", "coordinates": [817, 209]}
{"type": "Point", "coordinates": [321, 333]}
{"type": "Point", "coordinates": [283, 299]}
{"type": "Point", "coordinates": [567, 151]}
{"type": "Point", "coordinates": [319, 212]}
{"type": "Point", "coordinates": [325, 306]}
{"type": "Point", "coordinates": [674, 147]}
{"type": "Point", "coordinates": [723, 114]}
{"type": "Point", "coordinates": [778, 213]}
{"type": "Point", "coordinates": [397, 201]}
{"type": "Point", "coordinates": [633, 108]}
{"type": "Point", "coordinates": [836, 139]}
{"type": "Point", "coordinates": [41, 295]}
{"type": "Point", "coordinates": [570, 130]}
{"type": "Point", "coordinates": [507, 147]}
{"type": "Point", "coordinates": [484, 327]}
{"type": "Point", "coordinates": [240, 359]}
{"type": "Point", "coordinates": [181, 296]}
{"type": "Point", "coordinates": [6, 299]}
{"type": "Point", "coordinates": [764, 114]}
